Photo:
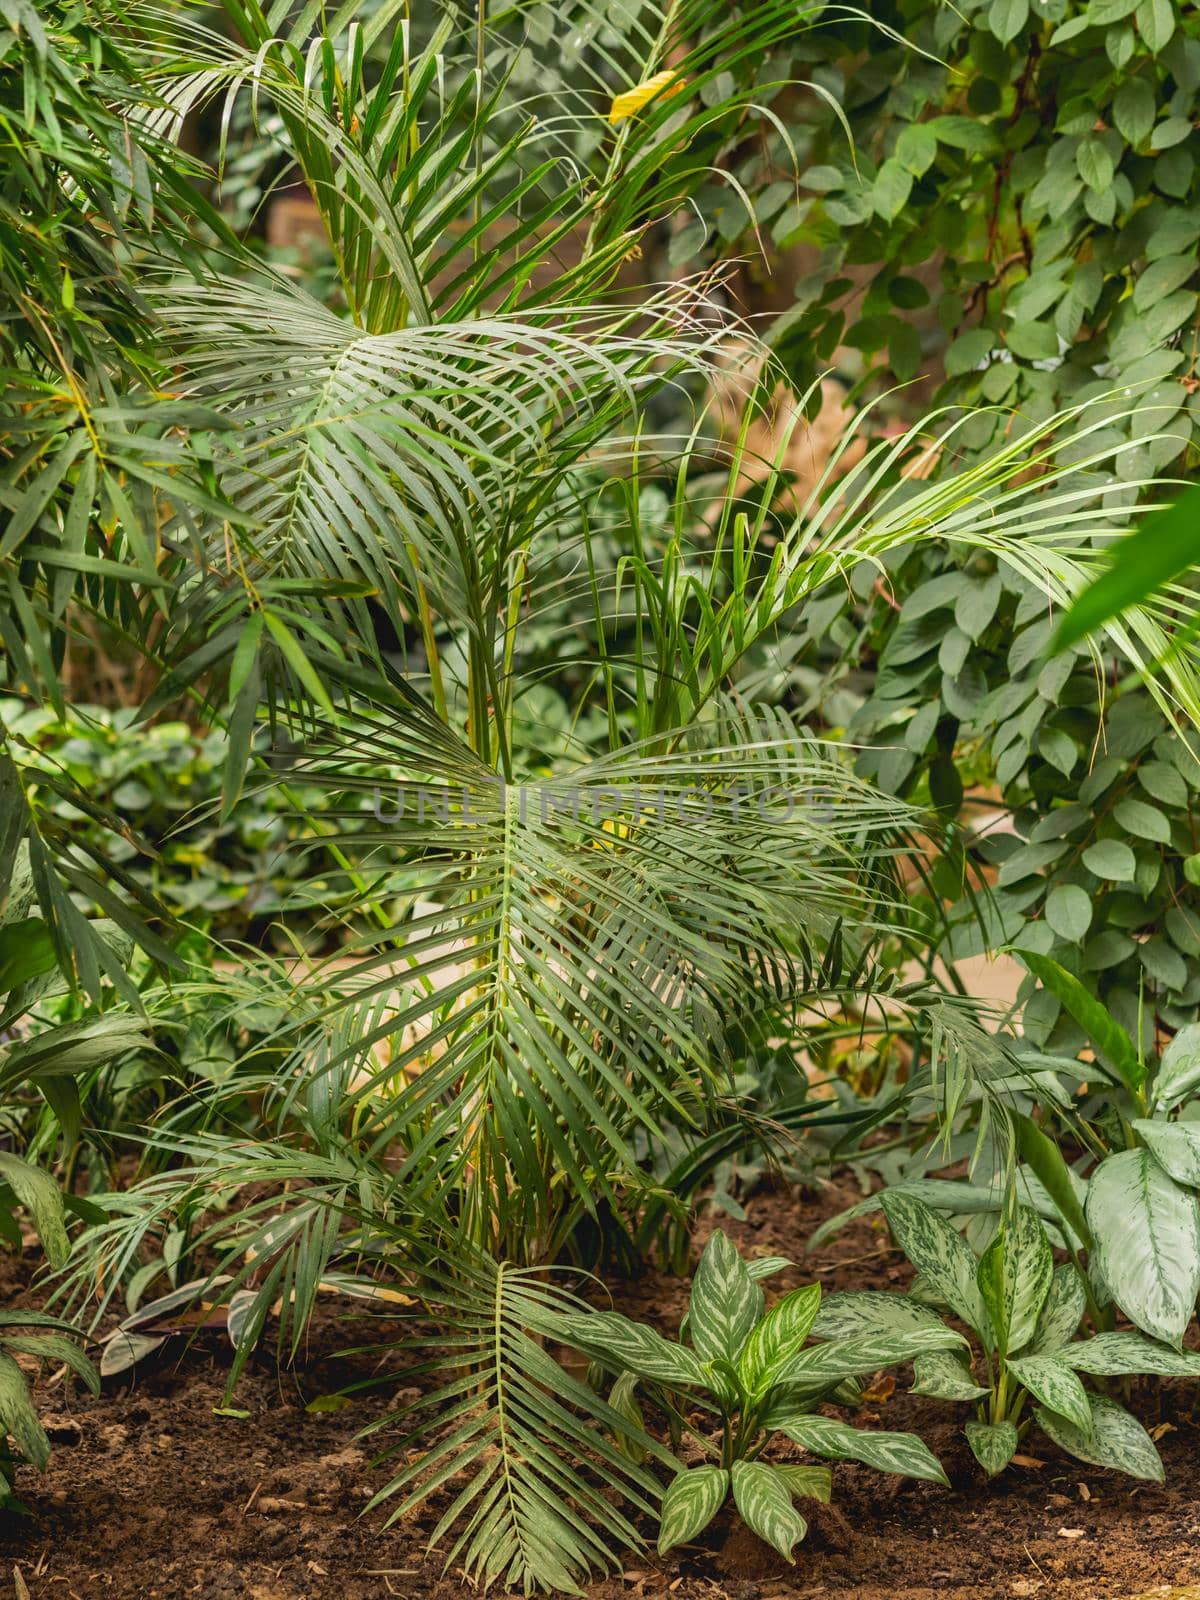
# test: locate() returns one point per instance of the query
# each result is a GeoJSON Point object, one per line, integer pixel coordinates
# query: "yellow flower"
{"type": "Point", "coordinates": [632, 101]}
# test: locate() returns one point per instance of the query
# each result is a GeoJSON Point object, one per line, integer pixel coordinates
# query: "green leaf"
{"type": "Point", "coordinates": [901, 1453]}
{"type": "Point", "coordinates": [690, 1502]}
{"type": "Point", "coordinates": [1147, 1233]}
{"type": "Point", "coordinates": [1062, 1313]}
{"type": "Point", "coordinates": [1108, 1037]}
{"type": "Point", "coordinates": [1095, 164]}
{"type": "Point", "coordinates": [1116, 1355]}
{"type": "Point", "coordinates": [1069, 911]}
{"type": "Point", "coordinates": [1116, 1440]}
{"type": "Point", "coordinates": [891, 189]}
{"type": "Point", "coordinates": [40, 1195]}
{"type": "Point", "coordinates": [916, 148]}
{"type": "Point", "coordinates": [1053, 1382]}
{"type": "Point", "coordinates": [779, 1337]}
{"type": "Point", "coordinates": [939, 1253]}
{"type": "Point", "coordinates": [1111, 859]}
{"type": "Point", "coordinates": [1179, 1071]}
{"type": "Point", "coordinates": [1133, 110]}
{"type": "Point", "coordinates": [1175, 1146]}
{"type": "Point", "coordinates": [993, 1444]}
{"type": "Point", "coordinates": [1156, 23]}
{"type": "Point", "coordinates": [942, 1375]}
{"type": "Point", "coordinates": [1006, 18]}
{"type": "Point", "coordinates": [293, 653]}
{"type": "Point", "coordinates": [58, 1348]}
{"type": "Point", "coordinates": [1159, 279]}
{"type": "Point", "coordinates": [1163, 546]}
{"type": "Point", "coordinates": [1014, 1277]}
{"type": "Point", "coordinates": [765, 1502]}
{"type": "Point", "coordinates": [633, 1347]}
{"type": "Point", "coordinates": [17, 1416]}
{"type": "Point", "coordinates": [968, 351]}
{"type": "Point", "coordinates": [1046, 1159]}
{"type": "Point", "coordinates": [725, 1302]}
{"type": "Point", "coordinates": [1142, 820]}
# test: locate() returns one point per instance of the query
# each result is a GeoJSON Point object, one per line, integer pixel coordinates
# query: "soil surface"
{"type": "Point", "coordinates": [152, 1496]}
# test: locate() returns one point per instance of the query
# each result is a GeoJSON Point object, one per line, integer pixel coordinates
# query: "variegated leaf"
{"type": "Point", "coordinates": [993, 1444]}
{"type": "Point", "coordinates": [725, 1302]}
{"type": "Point", "coordinates": [632, 1347]}
{"type": "Point", "coordinates": [847, 1358]}
{"type": "Point", "coordinates": [765, 1502]}
{"type": "Point", "coordinates": [1113, 1355]}
{"type": "Point", "coordinates": [1147, 1232]}
{"type": "Point", "coordinates": [842, 1316]}
{"type": "Point", "coordinates": [767, 1266]}
{"type": "Point", "coordinates": [1061, 1314]}
{"type": "Point", "coordinates": [1175, 1146]}
{"type": "Point", "coordinates": [809, 1483]}
{"type": "Point", "coordinates": [1116, 1440]}
{"type": "Point", "coordinates": [17, 1416]}
{"type": "Point", "coordinates": [901, 1453]}
{"type": "Point", "coordinates": [1014, 1278]}
{"type": "Point", "coordinates": [1179, 1072]}
{"type": "Point", "coordinates": [778, 1338]}
{"type": "Point", "coordinates": [942, 1257]}
{"type": "Point", "coordinates": [691, 1500]}
{"type": "Point", "coordinates": [943, 1375]}
{"type": "Point", "coordinates": [1050, 1380]}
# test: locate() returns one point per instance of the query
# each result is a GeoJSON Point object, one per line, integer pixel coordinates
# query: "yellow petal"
{"type": "Point", "coordinates": [632, 101]}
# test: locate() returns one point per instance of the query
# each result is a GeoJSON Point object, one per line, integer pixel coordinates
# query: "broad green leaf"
{"type": "Point", "coordinates": [810, 1483]}
{"type": "Point", "coordinates": [1116, 1440]}
{"type": "Point", "coordinates": [1006, 18]}
{"type": "Point", "coordinates": [777, 1338]}
{"type": "Point", "coordinates": [725, 1302]}
{"type": "Point", "coordinates": [1014, 1278]}
{"type": "Point", "coordinates": [1133, 110]}
{"type": "Point", "coordinates": [1046, 1160]}
{"type": "Point", "coordinates": [1111, 859]}
{"type": "Point", "coordinates": [633, 1347]}
{"type": "Point", "coordinates": [1062, 1313]}
{"type": "Point", "coordinates": [901, 1453]}
{"type": "Point", "coordinates": [1179, 1070]}
{"type": "Point", "coordinates": [942, 1375]}
{"type": "Point", "coordinates": [850, 1358]}
{"type": "Point", "coordinates": [993, 1444]}
{"type": "Point", "coordinates": [1050, 1380]}
{"type": "Point", "coordinates": [939, 1253]}
{"type": "Point", "coordinates": [871, 1311]}
{"type": "Point", "coordinates": [765, 1502]}
{"type": "Point", "coordinates": [1175, 1146]}
{"type": "Point", "coordinates": [1163, 547]}
{"type": "Point", "coordinates": [1114, 1355]}
{"type": "Point", "coordinates": [17, 1416]}
{"type": "Point", "coordinates": [1147, 1233]}
{"type": "Point", "coordinates": [1156, 23]}
{"type": "Point", "coordinates": [1069, 911]}
{"type": "Point", "coordinates": [690, 1502]}
{"type": "Point", "coordinates": [1109, 1038]}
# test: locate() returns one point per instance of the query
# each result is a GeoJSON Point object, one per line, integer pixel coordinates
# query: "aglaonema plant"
{"type": "Point", "coordinates": [1025, 1314]}
{"type": "Point", "coordinates": [742, 1377]}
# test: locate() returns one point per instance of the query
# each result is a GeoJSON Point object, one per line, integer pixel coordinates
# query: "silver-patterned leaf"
{"type": "Point", "coordinates": [765, 1502]}
{"type": "Point", "coordinates": [1113, 1355]}
{"type": "Point", "coordinates": [943, 1375]}
{"type": "Point", "coordinates": [1175, 1146]}
{"type": "Point", "coordinates": [1050, 1380]}
{"type": "Point", "coordinates": [848, 1358]}
{"type": "Point", "coordinates": [842, 1316]}
{"type": "Point", "coordinates": [690, 1502]}
{"type": "Point", "coordinates": [17, 1416]}
{"type": "Point", "coordinates": [725, 1302]}
{"type": "Point", "coordinates": [993, 1444]}
{"type": "Point", "coordinates": [632, 1347]}
{"type": "Point", "coordinates": [944, 1259]}
{"type": "Point", "coordinates": [1116, 1440]}
{"type": "Point", "coordinates": [778, 1338]}
{"type": "Point", "coordinates": [901, 1453]}
{"type": "Point", "coordinates": [809, 1483]}
{"type": "Point", "coordinates": [767, 1266]}
{"type": "Point", "coordinates": [123, 1350]}
{"type": "Point", "coordinates": [1179, 1072]}
{"type": "Point", "coordinates": [1061, 1314]}
{"type": "Point", "coordinates": [1147, 1233]}
{"type": "Point", "coordinates": [1014, 1276]}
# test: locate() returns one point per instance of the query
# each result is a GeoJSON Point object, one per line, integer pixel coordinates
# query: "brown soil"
{"type": "Point", "coordinates": [150, 1496]}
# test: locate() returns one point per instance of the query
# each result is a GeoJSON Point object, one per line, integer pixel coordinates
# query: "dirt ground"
{"type": "Point", "coordinates": [151, 1496]}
